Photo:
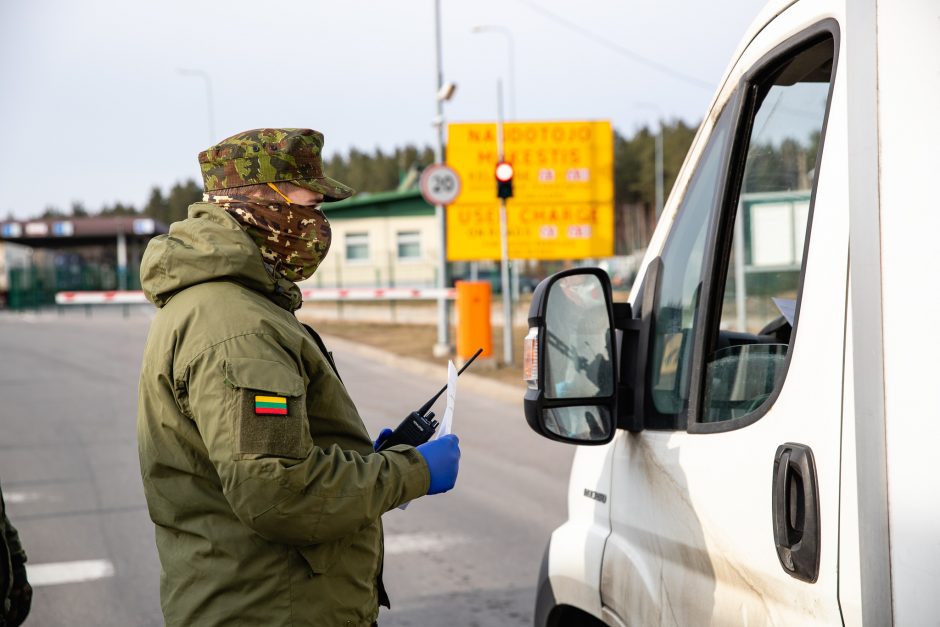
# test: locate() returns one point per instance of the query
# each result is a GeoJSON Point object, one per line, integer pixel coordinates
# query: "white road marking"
{"type": "Point", "coordinates": [56, 573]}
{"type": "Point", "coordinates": [22, 497]}
{"type": "Point", "coordinates": [398, 544]}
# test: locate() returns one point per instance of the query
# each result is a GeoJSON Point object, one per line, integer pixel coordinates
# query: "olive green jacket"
{"type": "Point", "coordinates": [267, 512]}
{"type": "Point", "coordinates": [12, 558]}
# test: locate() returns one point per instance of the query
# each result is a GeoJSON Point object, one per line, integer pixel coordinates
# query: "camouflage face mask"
{"type": "Point", "coordinates": [293, 239]}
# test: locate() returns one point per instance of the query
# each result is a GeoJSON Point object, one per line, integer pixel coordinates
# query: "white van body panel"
{"type": "Point", "coordinates": [689, 539]}
{"type": "Point", "coordinates": [865, 280]}
{"type": "Point", "coordinates": [850, 565]}
{"type": "Point", "coordinates": [909, 131]}
{"type": "Point", "coordinates": [687, 544]}
{"type": "Point", "coordinates": [577, 546]}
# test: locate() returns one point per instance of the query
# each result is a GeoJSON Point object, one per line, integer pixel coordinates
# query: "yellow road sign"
{"type": "Point", "coordinates": [563, 200]}
{"type": "Point", "coordinates": [536, 231]}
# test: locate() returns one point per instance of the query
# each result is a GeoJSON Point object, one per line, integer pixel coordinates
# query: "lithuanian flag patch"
{"type": "Point", "coordinates": [270, 405]}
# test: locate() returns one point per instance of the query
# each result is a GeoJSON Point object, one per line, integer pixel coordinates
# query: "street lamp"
{"type": "Point", "coordinates": [208, 81]}
{"type": "Point", "coordinates": [511, 47]}
{"type": "Point", "coordinates": [442, 93]}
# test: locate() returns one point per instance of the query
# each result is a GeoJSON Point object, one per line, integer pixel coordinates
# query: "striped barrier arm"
{"type": "Point", "coordinates": [118, 297]}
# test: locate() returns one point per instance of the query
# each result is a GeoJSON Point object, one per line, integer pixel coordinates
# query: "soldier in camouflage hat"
{"type": "Point", "coordinates": [270, 155]}
{"type": "Point", "coordinates": [261, 479]}
{"type": "Point", "coordinates": [271, 180]}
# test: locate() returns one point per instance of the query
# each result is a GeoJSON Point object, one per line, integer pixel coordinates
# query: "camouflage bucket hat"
{"type": "Point", "coordinates": [270, 155]}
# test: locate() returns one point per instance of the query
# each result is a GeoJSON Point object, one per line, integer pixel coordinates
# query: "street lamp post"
{"type": "Point", "coordinates": [209, 104]}
{"type": "Point", "coordinates": [504, 236]}
{"type": "Point", "coordinates": [442, 348]}
{"type": "Point", "coordinates": [511, 57]}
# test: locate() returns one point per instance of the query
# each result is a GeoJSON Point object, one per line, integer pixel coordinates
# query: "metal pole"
{"type": "Point", "coordinates": [659, 170]}
{"type": "Point", "coordinates": [514, 266]}
{"type": "Point", "coordinates": [442, 348]}
{"type": "Point", "coordinates": [505, 287]}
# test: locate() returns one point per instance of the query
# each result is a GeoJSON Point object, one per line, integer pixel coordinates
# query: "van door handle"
{"type": "Point", "coordinates": [796, 511]}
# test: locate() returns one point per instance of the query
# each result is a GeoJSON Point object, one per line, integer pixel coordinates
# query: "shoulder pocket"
{"type": "Point", "coordinates": [271, 376]}
{"type": "Point", "coordinates": [268, 400]}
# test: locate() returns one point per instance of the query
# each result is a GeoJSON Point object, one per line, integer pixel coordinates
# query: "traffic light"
{"type": "Point", "coordinates": [504, 172]}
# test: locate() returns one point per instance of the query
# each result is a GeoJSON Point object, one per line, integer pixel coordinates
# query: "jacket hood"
{"type": "Point", "coordinates": [209, 246]}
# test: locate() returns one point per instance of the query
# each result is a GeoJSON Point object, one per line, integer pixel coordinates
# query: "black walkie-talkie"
{"type": "Point", "coordinates": [418, 427]}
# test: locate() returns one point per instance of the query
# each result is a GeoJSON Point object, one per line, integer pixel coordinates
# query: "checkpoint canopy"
{"type": "Point", "coordinates": [563, 198]}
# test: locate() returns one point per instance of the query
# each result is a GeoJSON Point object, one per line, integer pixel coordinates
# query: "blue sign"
{"type": "Point", "coordinates": [63, 229]}
{"type": "Point", "coordinates": [11, 229]}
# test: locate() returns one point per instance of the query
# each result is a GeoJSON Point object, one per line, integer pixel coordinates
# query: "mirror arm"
{"type": "Point", "coordinates": [623, 314]}
{"type": "Point", "coordinates": [634, 351]}
{"type": "Point", "coordinates": [631, 334]}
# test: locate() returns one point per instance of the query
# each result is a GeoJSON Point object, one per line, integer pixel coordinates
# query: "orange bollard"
{"type": "Point", "coordinates": [474, 328]}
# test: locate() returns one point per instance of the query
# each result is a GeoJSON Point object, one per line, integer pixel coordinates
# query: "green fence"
{"type": "Point", "coordinates": [33, 288]}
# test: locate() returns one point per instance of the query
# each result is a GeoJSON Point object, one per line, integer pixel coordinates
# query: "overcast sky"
{"type": "Point", "coordinates": [94, 109]}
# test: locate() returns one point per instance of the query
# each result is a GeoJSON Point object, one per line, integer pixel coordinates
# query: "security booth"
{"type": "Point", "coordinates": [75, 253]}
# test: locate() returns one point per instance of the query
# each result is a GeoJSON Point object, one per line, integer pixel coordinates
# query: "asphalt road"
{"type": "Point", "coordinates": [69, 470]}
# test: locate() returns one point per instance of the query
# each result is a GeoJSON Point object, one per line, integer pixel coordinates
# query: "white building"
{"type": "Point", "coordinates": [382, 239]}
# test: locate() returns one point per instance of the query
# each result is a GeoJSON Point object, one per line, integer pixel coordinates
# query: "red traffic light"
{"type": "Point", "coordinates": [504, 171]}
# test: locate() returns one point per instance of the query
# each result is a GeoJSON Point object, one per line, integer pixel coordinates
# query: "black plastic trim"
{"type": "Point", "coordinates": [634, 336]}
{"type": "Point", "coordinates": [544, 595]}
{"type": "Point", "coordinates": [706, 332]}
{"type": "Point", "coordinates": [652, 417]}
{"type": "Point", "coordinates": [700, 322]}
{"type": "Point", "coordinates": [798, 546]}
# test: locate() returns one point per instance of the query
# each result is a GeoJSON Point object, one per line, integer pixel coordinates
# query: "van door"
{"type": "Point", "coordinates": [724, 509]}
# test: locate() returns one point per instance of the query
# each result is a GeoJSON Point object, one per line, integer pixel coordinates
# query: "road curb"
{"type": "Point", "coordinates": [496, 390]}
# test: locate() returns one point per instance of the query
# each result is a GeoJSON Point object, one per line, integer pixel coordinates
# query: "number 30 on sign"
{"type": "Point", "coordinates": [440, 184]}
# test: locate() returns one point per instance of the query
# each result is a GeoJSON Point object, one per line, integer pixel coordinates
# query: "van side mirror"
{"type": "Point", "coordinates": [570, 363]}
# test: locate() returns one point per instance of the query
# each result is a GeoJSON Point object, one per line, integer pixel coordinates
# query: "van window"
{"type": "Point", "coordinates": [747, 352]}
{"type": "Point", "coordinates": [681, 279]}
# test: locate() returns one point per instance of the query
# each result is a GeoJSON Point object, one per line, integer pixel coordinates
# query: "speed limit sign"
{"type": "Point", "coordinates": [440, 184]}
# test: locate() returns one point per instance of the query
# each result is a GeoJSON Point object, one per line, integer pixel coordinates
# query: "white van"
{"type": "Point", "coordinates": [758, 424]}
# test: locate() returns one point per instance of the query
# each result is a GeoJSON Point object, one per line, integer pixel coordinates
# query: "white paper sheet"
{"type": "Point", "coordinates": [787, 308]}
{"type": "Point", "coordinates": [448, 420]}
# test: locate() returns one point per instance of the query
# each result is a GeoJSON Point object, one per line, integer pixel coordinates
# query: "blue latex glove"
{"type": "Point", "coordinates": [443, 457]}
{"type": "Point", "coordinates": [383, 435]}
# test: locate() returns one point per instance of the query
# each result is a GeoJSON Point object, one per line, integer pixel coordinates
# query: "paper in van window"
{"type": "Point", "coordinates": [787, 307]}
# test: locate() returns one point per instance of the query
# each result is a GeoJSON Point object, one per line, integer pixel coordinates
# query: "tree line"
{"type": "Point", "coordinates": [378, 171]}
